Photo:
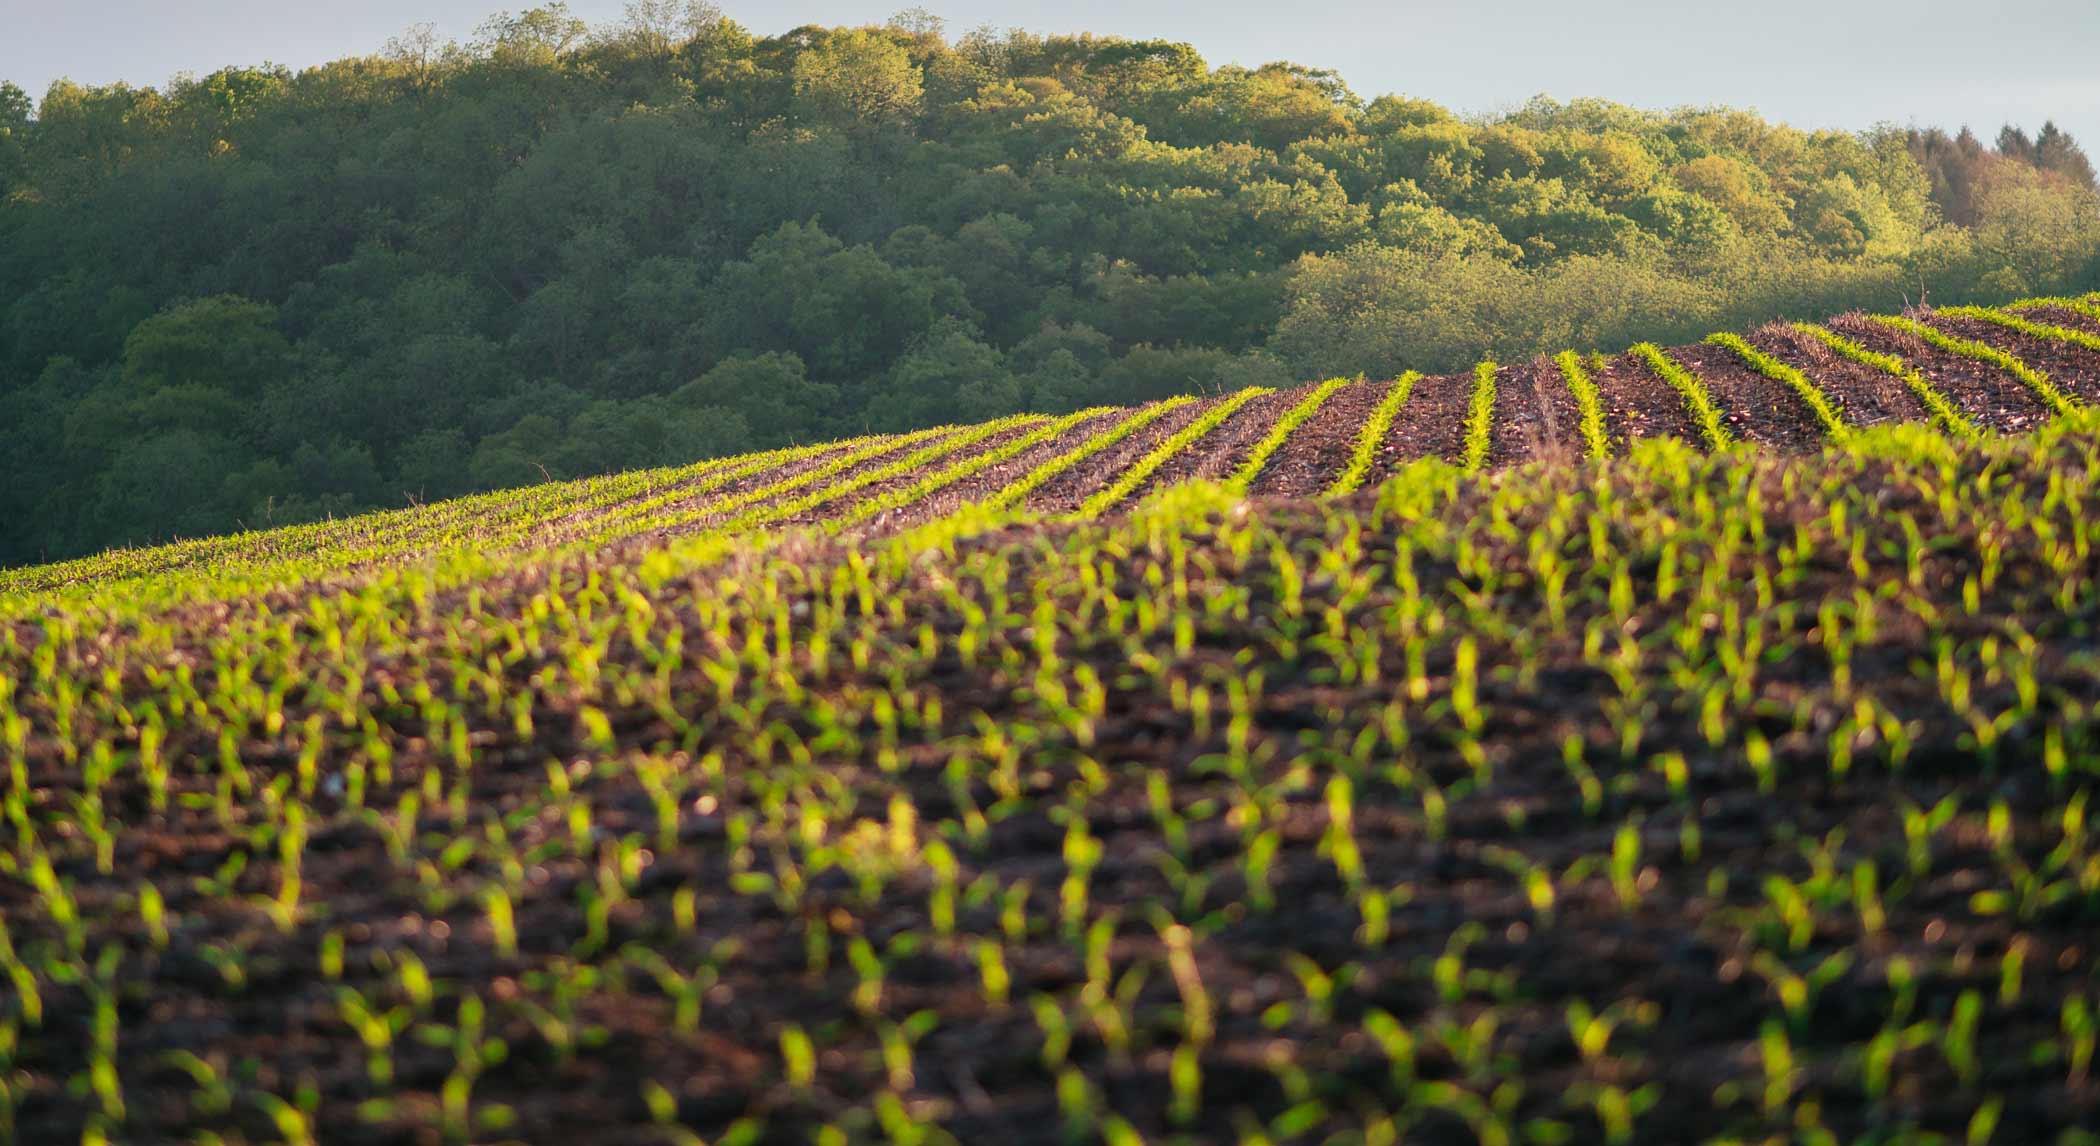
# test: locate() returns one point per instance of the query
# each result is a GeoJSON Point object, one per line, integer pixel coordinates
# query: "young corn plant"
{"type": "Point", "coordinates": [1365, 453]}
{"type": "Point", "coordinates": [1928, 395]}
{"type": "Point", "coordinates": [1017, 491]}
{"type": "Point", "coordinates": [1242, 479]}
{"type": "Point", "coordinates": [1588, 402]}
{"type": "Point", "coordinates": [1130, 479]}
{"type": "Point", "coordinates": [1827, 416]}
{"type": "Point", "coordinates": [2037, 381]}
{"type": "Point", "coordinates": [1697, 401]}
{"type": "Point", "coordinates": [1480, 418]}
{"type": "Point", "coordinates": [2046, 331]}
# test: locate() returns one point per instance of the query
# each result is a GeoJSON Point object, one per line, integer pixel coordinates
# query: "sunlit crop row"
{"type": "Point", "coordinates": [1687, 795]}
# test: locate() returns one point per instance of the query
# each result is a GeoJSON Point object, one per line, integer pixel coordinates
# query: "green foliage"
{"type": "Point", "coordinates": [771, 393]}
{"type": "Point", "coordinates": [857, 78]}
{"type": "Point", "coordinates": [556, 249]}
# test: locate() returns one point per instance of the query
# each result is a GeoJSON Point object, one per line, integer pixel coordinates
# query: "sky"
{"type": "Point", "coordinates": [1812, 63]}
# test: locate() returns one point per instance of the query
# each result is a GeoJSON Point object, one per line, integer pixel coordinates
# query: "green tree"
{"type": "Point", "coordinates": [1738, 190]}
{"type": "Point", "coordinates": [842, 310]}
{"type": "Point", "coordinates": [770, 393]}
{"type": "Point", "coordinates": [2056, 151]}
{"type": "Point", "coordinates": [15, 110]}
{"type": "Point", "coordinates": [949, 375]}
{"type": "Point", "coordinates": [224, 342]}
{"type": "Point", "coordinates": [534, 37]}
{"type": "Point", "coordinates": [558, 249]}
{"type": "Point", "coordinates": [858, 79]}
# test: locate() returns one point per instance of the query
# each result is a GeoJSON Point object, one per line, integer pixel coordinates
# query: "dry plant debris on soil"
{"type": "Point", "coordinates": [1645, 793]}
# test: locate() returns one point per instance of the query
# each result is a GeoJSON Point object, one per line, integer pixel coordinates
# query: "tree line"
{"type": "Point", "coordinates": [263, 296]}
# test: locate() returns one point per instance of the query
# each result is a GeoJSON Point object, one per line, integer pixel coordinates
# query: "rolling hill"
{"type": "Point", "coordinates": [1691, 745]}
{"type": "Point", "coordinates": [1786, 388]}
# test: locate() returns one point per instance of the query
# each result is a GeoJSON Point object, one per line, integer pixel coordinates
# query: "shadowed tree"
{"type": "Point", "coordinates": [2056, 151]}
{"type": "Point", "coordinates": [442, 267]}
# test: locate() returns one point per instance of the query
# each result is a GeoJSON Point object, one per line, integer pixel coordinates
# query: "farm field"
{"type": "Point", "coordinates": [1689, 745]}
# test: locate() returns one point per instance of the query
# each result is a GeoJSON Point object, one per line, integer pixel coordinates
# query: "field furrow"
{"type": "Point", "coordinates": [742, 477]}
{"type": "Point", "coordinates": [766, 488]}
{"type": "Point", "coordinates": [980, 476]}
{"type": "Point", "coordinates": [816, 500]}
{"type": "Point", "coordinates": [1637, 404]}
{"type": "Point", "coordinates": [2030, 324]}
{"type": "Point", "coordinates": [1705, 413]}
{"type": "Point", "coordinates": [2069, 357]}
{"type": "Point", "coordinates": [903, 478]}
{"type": "Point", "coordinates": [724, 478]}
{"type": "Point", "coordinates": [2073, 313]}
{"type": "Point", "coordinates": [1146, 473]}
{"type": "Point", "coordinates": [1308, 405]}
{"type": "Point", "coordinates": [1314, 457]}
{"type": "Point", "coordinates": [1828, 418]}
{"type": "Point", "coordinates": [1988, 397]}
{"type": "Point", "coordinates": [1863, 394]}
{"type": "Point", "coordinates": [1226, 447]}
{"type": "Point", "coordinates": [2082, 313]}
{"type": "Point", "coordinates": [1365, 444]}
{"type": "Point", "coordinates": [1750, 406]}
{"type": "Point", "coordinates": [2036, 381]}
{"type": "Point", "coordinates": [1536, 416]}
{"type": "Point", "coordinates": [1071, 485]}
{"type": "Point", "coordinates": [1433, 422]}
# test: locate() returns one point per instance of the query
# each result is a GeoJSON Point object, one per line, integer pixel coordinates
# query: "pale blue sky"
{"type": "Point", "coordinates": [1813, 63]}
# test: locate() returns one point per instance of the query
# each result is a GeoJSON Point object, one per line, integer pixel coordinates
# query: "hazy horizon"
{"type": "Point", "coordinates": [1847, 66]}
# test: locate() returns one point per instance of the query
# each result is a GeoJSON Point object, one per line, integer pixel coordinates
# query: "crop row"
{"type": "Point", "coordinates": [842, 485]}
{"type": "Point", "coordinates": [1684, 796]}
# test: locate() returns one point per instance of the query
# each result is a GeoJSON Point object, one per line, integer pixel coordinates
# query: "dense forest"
{"type": "Point", "coordinates": [262, 296]}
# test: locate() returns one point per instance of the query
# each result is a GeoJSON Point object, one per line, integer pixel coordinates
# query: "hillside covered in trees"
{"type": "Point", "coordinates": [260, 297]}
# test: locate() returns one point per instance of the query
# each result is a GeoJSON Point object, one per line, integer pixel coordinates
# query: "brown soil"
{"type": "Point", "coordinates": [1983, 393]}
{"type": "Point", "coordinates": [841, 505]}
{"type": "Point", "coordinates": [1637, 404]}
{"type": "Point", "coordinates": [2063, 316]}
{"type": "Point", "coordinates": [1217, 454]}
{"type": "Point", "coordinates": [1535, 416]}
{"type": "Point", "coordinates": [760, 481]}
{"type": "Point", "coordinates": [1311, 458]}
{"type": "Point", "coordinates": [580, 522]}
{"type": "Point", "coordinates": [1686, 948]}
{"type": "Point", "coordinates": [990, 480]}
{"type": "Point", "coordinates": [1070, 489]}
{"type": "Point", "coordinates": [1754, 408]}
{"type": "Point", "coordinates": [1863, 395]}
{"type": "Point", "coordinates": [1433, 422]}
{"type": "Point", "coordinates": [2074, 369]}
